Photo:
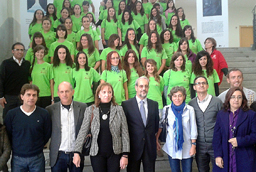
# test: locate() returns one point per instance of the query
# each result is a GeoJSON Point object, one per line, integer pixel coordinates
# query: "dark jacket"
{"type": "Point", "coordinates": [245, 134]}
{"type": "Point", "coordinates": [5, 149]}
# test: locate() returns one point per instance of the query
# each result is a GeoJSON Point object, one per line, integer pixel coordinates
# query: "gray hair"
{"type": "Point", "coordinates": [177, 89]}
{"type": "Point", "coordinates": [142, 77]}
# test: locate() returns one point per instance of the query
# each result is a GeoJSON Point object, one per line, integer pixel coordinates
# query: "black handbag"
{"type": "Point", "coordinates": [88, 140]}
{"type": "Point", "coordinates": [163, 134]}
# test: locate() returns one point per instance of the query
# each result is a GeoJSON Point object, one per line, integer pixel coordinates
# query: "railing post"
{"type": "Point", "coordinates": [254, 28]}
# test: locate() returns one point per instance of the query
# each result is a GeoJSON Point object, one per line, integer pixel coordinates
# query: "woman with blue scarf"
{"type": "Point", "coordinates": [181, 131]}
{"type": "Point", "coordinates": [116, 76]}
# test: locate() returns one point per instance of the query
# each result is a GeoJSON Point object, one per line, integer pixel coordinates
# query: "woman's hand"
{"type": "Point", "coordinates": [219, 162]}
{"type": "Point", "coordinates": [103, 42]}
{"type": "Point", "coordinates": [233, 141]}
{"type": "Point", "coordinates": [120, 43]}
{"type": "Point", "coordinates": [123, 162]}
{"type": "Point", "coordinates": [158, 145]}
{"type": "Point", "coordinates": [76, 160]}
{"type": "Point", "coordinates": [192, 151]}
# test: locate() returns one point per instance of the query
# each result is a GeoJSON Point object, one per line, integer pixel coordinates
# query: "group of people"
{"type": "Point", "coordinates": [152, 74]}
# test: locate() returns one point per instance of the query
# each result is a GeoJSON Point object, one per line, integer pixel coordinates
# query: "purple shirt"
{"type": "Point", "coordinates": [232, 128]}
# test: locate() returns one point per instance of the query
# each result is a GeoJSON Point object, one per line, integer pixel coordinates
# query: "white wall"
{"type": "Point", "coordinates": [238, 17]}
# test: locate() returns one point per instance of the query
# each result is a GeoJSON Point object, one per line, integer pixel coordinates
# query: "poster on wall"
{"type": "Point", "coordinates": [27, 10]}
{"type": "Point", "coordinates": [212, 21]}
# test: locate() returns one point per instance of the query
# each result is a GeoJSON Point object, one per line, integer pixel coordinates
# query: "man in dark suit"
{"type": "Point", "coordinates": [67, 117]}
{"type": "Point", "coordinates": [14, 73]}
{"type": "Point", "coordinates": [143, 121]}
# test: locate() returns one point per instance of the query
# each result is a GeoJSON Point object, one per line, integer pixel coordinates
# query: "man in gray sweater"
{"type": "Point", "coordinates": [206, 108]}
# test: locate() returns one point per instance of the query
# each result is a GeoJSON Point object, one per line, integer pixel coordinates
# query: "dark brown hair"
{"type": "Point", "coordinates": [136, 64]}
{"type": "Point", "coordinates": [91, 47]}
{"type": "Point", "coordinates": [61, 27]}
{"type": "Point", "coordinates": [114, 17]}
{"type": "Point", "coordinates": [142, 11]}
{"type": "Point", "coordinates": [214, 43]}
{"type": "Point", "coordinates": [127, 42]}
{"type": "Point", "coordinates": [148, 31]}
{"type": "Point", "coordinates": [100, 87]}
{"type": "Point", "coordinates": [159, 47]}
{"type": "Point", "coordinates": [230, 92]}
{"type": "Point", "coordinates": [192, 36]}
{"type": "Point", "coordinates": [197, 68]}
{"type": "Point", "coordinates": [178, 30]}
{"type": "Point", "coordinates": [86, 67]}
{"type": "Point", "coordinates": [26, 87]}
{"type": "Point", "coordinates": [174, 57]}
{"type": "Point", "coordinates": [158, 17]}
{"type": "Point", "coordinates": [56, 60]}
{"type": "Point", "coordinates": [35, 49]}
{"type": "Point", "coordinates": [183, 15]}
{"type": "Point", "coordinates": [181, 42]}
{"type": "Point", "coordinates": [111, 40]}
{"type": "Point", "coordinates": [162, 36]}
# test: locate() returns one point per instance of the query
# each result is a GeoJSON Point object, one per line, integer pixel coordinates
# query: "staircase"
{"type": "Point", "coordinates": [243, 59]}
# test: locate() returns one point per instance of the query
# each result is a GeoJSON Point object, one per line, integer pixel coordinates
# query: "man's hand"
{"type": "Point", "coordinates": [3, 102]}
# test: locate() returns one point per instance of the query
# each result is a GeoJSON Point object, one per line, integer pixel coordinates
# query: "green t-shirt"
{"type": "Point", "coordinates": [80, 3]}
{"type": "Point", "coordinates": [184, 23]}
{"type": "Point", "coordinates": [141, 20]}
{"type": "Point", "coordinates": [51, 17]}
{"type": "Point", "coordinates": [159, 29]}
{"type": "Point", "coordinates": [49, 38]}
{"type": "Point", "coordinates": [175, 37]}
{"type": "Point", "coordinates": [77, 22]}
{"type": "Point", "coordinates": [195, 46]}
{"type": "Point", "coordinates": [116, 4]}
{"type": "Point", "coordinates": [110, 28]}
{"type": "Point", "coordinates": [104, 53]}
{"type": "Point", "coordinates": [168, 19]}
{"type": "Point", "coordinates": [41, 76]}
{"type": "Point", "coordinates": [155, 91]}
{"type": "Point", "coordinates": [68, 44]}
{"type": "Point", "coordinates": [153, 54]}
{"type": "Point", "coordinates": [30, 56]}
{"type": "Point", "coordinates": [146, 6]}
{"type": "Point", "coordinates": [144, 40]}
{"type": "Point", "coordinates": [214, 78]}
{"type": "Point", "coordinates": [72, 38]}
{"type": "Point", "coordinates": [119, 17]}
{"type": "Point", "coordinates": [188, 64]}
{"type": "Point", "coordinates": [62, 73]}
{"type": "Point", "coordinates": [131, 84]}
{"type": "Point", "coordinates": [93, 33]}
{"type": "Point", "coordinates": [36, 28]}
{"type": "Point", "coordinates": [177, 78]}
{"type": "Point", "coordinates": [124, 27]}
{"type": "Point", "coordinates": [117, 81]}
{"type": "Point", "coordinates": [124, 49]}
{"type": "Point", "coordinates": [169, 49]}
{"type": "Point", "coordinates": [164, 5]}
{"type": "Point", "coordinates": [103, 14]}
{"type": "Point", "coordinates": [83, 81]}
{"type": "Point", "coordinates": [93, 58]}
{"type": "Point", "coordinates": [58, 5]}
{"type": "Point", "coordinates": [57, 23]}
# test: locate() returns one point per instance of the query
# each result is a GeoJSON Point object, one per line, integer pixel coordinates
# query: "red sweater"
{"type": "Point", "coordinates": [219, 63]}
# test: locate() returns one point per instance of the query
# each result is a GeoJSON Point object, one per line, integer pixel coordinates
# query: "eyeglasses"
{"type": "Point", "coordinates": [201, 83]}
{"type": "Point", "coordinates": [19, 50]}
{"type": "Point", "coordinates": [238, 97]}
{"type": "Point", "coordinates": [141, 86]}
{"type": "Point", "coordinates": [113, 58]}
{"type": "Point", "coordinates": [177, 96]}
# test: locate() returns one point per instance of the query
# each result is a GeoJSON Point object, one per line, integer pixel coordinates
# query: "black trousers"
{"type": "Point", "coordinates": [204, 155]}
{"type": "Point", "coordinates": [106, 163]}
{"type": "Point", "coordinates": [148, 164]}
{"type": "Point", "coordinates": [12, 102]}
{"type": "Point", "coordinates": [43, 102]}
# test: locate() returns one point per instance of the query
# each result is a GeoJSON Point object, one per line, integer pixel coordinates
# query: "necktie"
{"type": "Point", "coordinates": [143, 113]}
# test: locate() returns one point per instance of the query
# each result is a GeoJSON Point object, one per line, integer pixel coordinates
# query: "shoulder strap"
{"type": "Point", "coordinates": [166, 113]}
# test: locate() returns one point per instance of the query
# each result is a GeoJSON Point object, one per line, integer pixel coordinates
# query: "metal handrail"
{"type": "Point", "coordinates": [254, 28]}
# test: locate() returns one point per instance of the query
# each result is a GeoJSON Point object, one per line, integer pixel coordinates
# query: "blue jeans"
{"type": "Point", "coordinates": [31, 164]}
{"type": "Point", "coordinates": [186, 164]}
{"type": "Point", "coordinates": [65, 161]}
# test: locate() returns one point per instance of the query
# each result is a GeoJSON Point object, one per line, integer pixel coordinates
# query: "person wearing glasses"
{"type": "Point", "coordinates": [235, 134]}
{"type": "Point", "coordinates": [206, 108]}
{"type": "Point", "coordinates": [14, 73]}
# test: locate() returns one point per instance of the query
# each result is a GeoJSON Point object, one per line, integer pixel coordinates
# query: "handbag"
{"type": "Point", "coordinates": [88, 140]}
{"type": "Point", "coordinates": [163, 134]}
{"type": "Point", "coordinates": [166, 87]}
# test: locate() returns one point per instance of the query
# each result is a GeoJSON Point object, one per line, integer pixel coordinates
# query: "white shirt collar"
{"type": "Point", "coordinates": [17, 61]}
{"type": "Point", "coordinates": [204, 100]}
{"type": "Point", "coordinates": [71, 106]}
{"type": "Point", "coordinates": [27, 113]}
{"type": "Point", "coordinates": [139, 100]}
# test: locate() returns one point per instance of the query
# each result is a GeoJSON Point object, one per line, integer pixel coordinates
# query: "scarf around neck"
{"type": "Point", "coordinates": [115, 68]}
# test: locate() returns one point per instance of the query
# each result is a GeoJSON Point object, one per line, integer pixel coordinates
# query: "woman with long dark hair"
{"type": "Point", "coordinates": [128, 22]}
{"type": "Point", "coordinates": [183, 21]}
{"type": "Point", "coordinates": [48, 34]}
{"type": "Point", "coordinates": [133, 70]}
{"type": "Point", "coordinates": [71, 35]}
{"type": "Point", "coordinates": [116, 76]}
{"type": "Point", "coordinates": [140, 17]}
{"type": "Point", "coordinates": [77, 17]}
{"type": "Point", "coordinates": [155, 51]}
{"type": "Point", "coordinates": [175, 28]}
{"type": "Point", "coordinates": [170, 11]}
{"type": "Point", "coordinates": [194, 44]}
{"type": "Point", "coordinates": [36, 23]}
{"type": "Point", "coordinates": [104, 10]}
{"type": "Point", "coordinates": [121, 8]}
{"type": "Point", "coordinates": [51, 13]}
{"type": "Point", "coordinates": [130, 42]}
{"type": "Point", "coordinates": [65, 13]}
{"type": "Point", "coordinates": [92, 53]}
{"type": "Point", "coordinates": [62, 68]}
{"type": "Point", "coordinates": [203, 66]}
{"type": "Point", "coordinates": [84, 76]}
{"type": "Point", "coordinates": [160, 21]}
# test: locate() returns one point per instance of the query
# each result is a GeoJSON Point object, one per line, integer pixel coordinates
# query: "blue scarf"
{"type": "Point", "coordinates": [115, 68]}
{"type": "Point", "coordinates": [177, 126]}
